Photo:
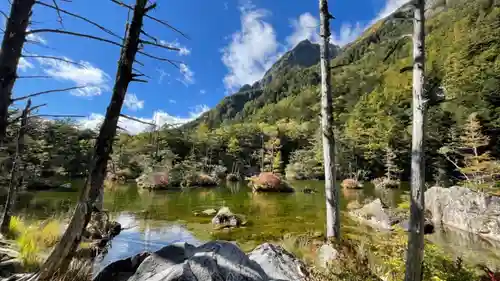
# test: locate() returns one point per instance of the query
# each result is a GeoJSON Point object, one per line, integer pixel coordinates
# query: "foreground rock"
{"type": "Point", "coordinates": [213, 261]}
{"type": "Point", "coordinates": [379, 216]}
{"type": "Point", "coordinates": [225, 218]}
{"type": "Point", "coordinates": [467, 210]}
{"type": "Point", "coordinates": [277, 263]}
{"type": "Point", "coordinates": [269, 182]}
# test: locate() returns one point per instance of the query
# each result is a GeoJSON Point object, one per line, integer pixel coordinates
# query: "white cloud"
{"type": "Point", "coordinates": [172, 101]}
{"type": "Point", "coordinates": [24, 64]}
{"type": "Point", "coordinates": [390, 7]}
{"type": "Point", "coordinates": [84, 74]}
{"type": "Point", "coordinates": [36, 38]}
{"type": "Point", "coordinates": [159, 118]}
{"type": "Point", "coordinates": [226, 6]}
{"type": "Point", "coordinates": [162, 75]}
{"type": "Point", "coordinates": [198, 110]}
{"type": "Point", "coordinates": [252, 50]}
{"type": "Point", "coordinates": [306, 27]}
{"type": "Point", "coordinates": [183, 51]}
{"type": "Point", "coordinates": [187, 75]}
{"type": "Point", "coordinates": [132, 102]}
{"type": "Point", "coordinates": [203, 91]}
{"type": "Point", "coordinates": [347, 34]}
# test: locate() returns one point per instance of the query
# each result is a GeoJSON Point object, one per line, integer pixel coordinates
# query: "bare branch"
{"type": "Point", "coordinates": [136, 120]}
{"type": "Point", "coordinates": [47, 92]}
{"type": "Point", "coordinates": [159, 45]}
{"type": "Point", "coordinates": [60, 20]}
{"type": "Point", "coordinates": [29, 111]}
{"type": "Point", "coordinates": [59, 115]}
{"type": "Point", "coordinates": [4, 14]}
{"type": "Point", "coordinates": [172, 62]}
{"type": "Point", "coordinates": [34, 76]}
{"type": "Point", "coordinates": [152, 18]}
{"type": "Point", "coordinates": [152, 7]}
{"type": "Point", "coordinates": [139, 80]}
{"type": "Point", "coordinates": [54, 58]}
{"type": "Point", "coordinates": [138, 73]}
{"type": "Point", "coordinates": [74, 34]}
{"type": "Point", "coordinates": [82, 18]}
{"type": "Point", "coordinates": [149, 36]}
{"type": "Point", "coordinates": [37, 107]}
{"type": "Point", "coordinates": [139, 63]}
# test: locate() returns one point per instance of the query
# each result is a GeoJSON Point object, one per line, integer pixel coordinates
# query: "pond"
{"type": "Point", "coordinates": [158, 218]}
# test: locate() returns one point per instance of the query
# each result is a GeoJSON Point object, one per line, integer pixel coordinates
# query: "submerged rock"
{"type": "Point", "coordinates": [225, 218]}
{"type": "Point", "coordinates": [269, 182]}
{"type": "Point", "coordinates": [213, 261]}
{"type": "Point", "coordinates": [467, 210]}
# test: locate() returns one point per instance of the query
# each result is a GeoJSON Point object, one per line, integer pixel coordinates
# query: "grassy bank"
{"type": "Point", "coordinates": [34, 239]}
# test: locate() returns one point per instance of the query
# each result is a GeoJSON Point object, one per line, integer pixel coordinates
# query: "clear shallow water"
{"type": "Point", "coordinates": [156, 219]}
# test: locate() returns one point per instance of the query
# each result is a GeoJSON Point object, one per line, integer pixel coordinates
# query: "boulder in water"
{"type": "Point", "coordinates": [467, 210]}
{"type": "Point", "coordinates": [225, 218]}
{"type": "Point", "coordinates": [351, 184]}
{"type": "Point", "coordinates": [375, 214]}
{"type": "Point", "coordinates": [269, 182]}
{"type": "Point", "coordinates": [216, 260]}
{"type": "Point", "coordinates": [233, 177]}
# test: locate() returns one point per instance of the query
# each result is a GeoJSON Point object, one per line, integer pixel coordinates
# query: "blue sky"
{"type": "Point", "coordinates": [231, 43]}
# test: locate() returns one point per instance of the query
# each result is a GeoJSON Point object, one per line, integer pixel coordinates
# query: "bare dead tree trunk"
{"type": "Point", "coordinates": [60, 257]}
{"type": "Point", "coordinates": [12, 46]}
{"type": "Point", "coordinates": [414, 256]}
{"type": "Point", "coordinates": [14, 182]}
{"type": "Point", "coordinates": [331, 192]}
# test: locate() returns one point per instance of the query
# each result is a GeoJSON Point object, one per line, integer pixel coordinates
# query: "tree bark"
{"type": "Point", "coordinates": [14, 182]}
{"type": "Point", "coordinates": [415, 252]}
{"type": "Point", "coordinates": [62, 254]}
{"type": "Point", "coordinates": [331, 191]}
{"type": "Point", "coordinates": [12, 46]}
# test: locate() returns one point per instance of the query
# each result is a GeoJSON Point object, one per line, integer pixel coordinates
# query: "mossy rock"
{"type": "Point", "coordinates": [269, 182]}
{"type": "Point", "coordinates": [351, 184]}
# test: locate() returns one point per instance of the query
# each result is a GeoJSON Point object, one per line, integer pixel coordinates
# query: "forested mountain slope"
{"type": "Point", "coordinates": [278, 116]}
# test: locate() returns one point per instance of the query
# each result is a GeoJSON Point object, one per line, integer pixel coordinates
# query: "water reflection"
{"type": "Point", "coordinates": [156, 219]}
{"type": "Point", "coordinates": [145, 236]}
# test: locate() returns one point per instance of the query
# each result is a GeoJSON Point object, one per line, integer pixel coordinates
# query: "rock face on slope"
{"type": "Point", "coordinates": [216, 260]}
{"type": "Point", "coordinates": [462, 208]}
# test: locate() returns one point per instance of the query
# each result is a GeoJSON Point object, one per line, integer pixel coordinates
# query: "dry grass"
{"type": "Point", "coordinates": [34, 238]}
